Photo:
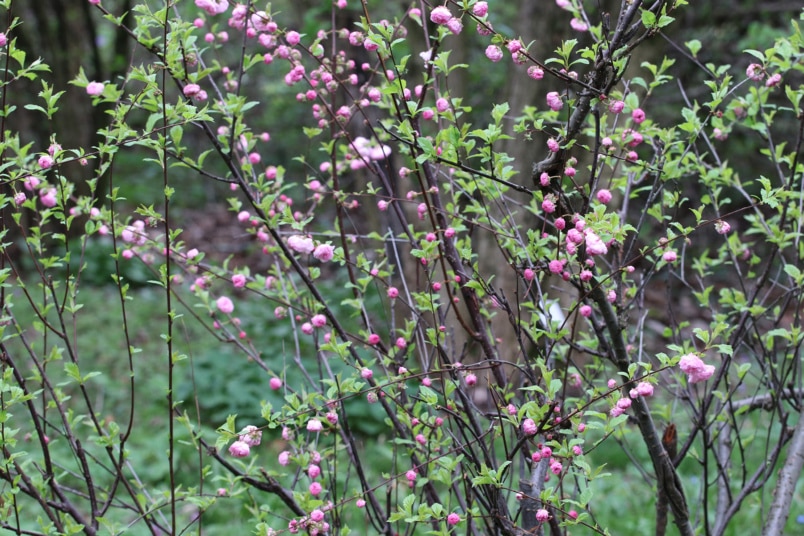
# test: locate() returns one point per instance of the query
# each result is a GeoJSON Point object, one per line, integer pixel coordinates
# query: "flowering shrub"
{"type": "Point", "coordinates": [504, 324]}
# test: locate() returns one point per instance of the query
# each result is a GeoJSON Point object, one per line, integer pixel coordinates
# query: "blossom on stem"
{"type": "Point", "coordinates": [554, 101]}
{"type": "Point", "coordinates": [239, 449]}
{"type": "Point", "coordinates": [440, 15]}
{"type": "Point", "coordinates": [529, 427]}
{"type": "Point", "coordinates": [224, 305]}
{"type": "Point", "coordinates": [494, 53]}
{"type": "Point", "coordinates": [695, 368]}
{"type": "Point", "coordinates": [95, 88]}
{"type": "Point", "coordinates": [301, 244]}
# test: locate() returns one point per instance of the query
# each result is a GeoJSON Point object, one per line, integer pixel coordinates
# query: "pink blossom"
{"type": "Point", "coordinates": [578, 25]}
{"type": "Point", "coordinates": [722, 227]}
{"type": "Point", "coordinates": [275, 383]}
{"type": "Point", "coordinates": [470, 379]}
{"type": "Point", "coordinates": [319, 321]}
{"type": "Point", "coordinates": [542, 515]}
{"type": "Point", "coordinates": [554, 101]}
{"type": "Point", "coordinates": [315, 489]}
{"type": "Point", "coordinates": [755, 72]}
{"type": "Point", "coordinates": [360, 503]}
{"type": "Point", "coordinates": [514, 46]}
{"type": "Point", "coordinates": [373, 339]}
{"type": "Point", "coordinates": [224, 305]}
{"type": "Point", "coordinates": [669, 256]}
{"type": "Point", "coordinates": [401, 343]}
{"type": "Point", "coordinates": [480, 9]}
{"type": "Point", "coordinates": [616, 106]}
{"type": "Point", "coordinates": [442, 105]}
{"type": "Point", "coordinates": [604, 196]}
{"type": "Point", "coordinates": [642, 389]}
{"type": "Point", "coordinates": [30, 183]}
{"type": "Point", "coordinates": [594, 245]}
{"type": "Point", "coordinates": [48, 197]}
{"type": "Point", "coordinates": [239, 280]}
{"type": "Point", "coordinates": [213, 7]}
{"type": "Point", "coordinates": [556, 467]}
{"type": "Point", "coordinates": [307, 328]}
{"type": "Point", "coordinates": [528, 274]}
{"type": "Point", "coordinates": [313, 471]}
{"type": "Point", "coordinates": [251, 435]}
{"type": "Point", "coordinates": [440, 15]}
{"type": "Point", "coordinates": [293, 38]}
{"type": "Point", "coordinates": [574, 236]}
{"type": "Point", "coordinates": [535, 72]}
{"type": "Point", "coordinates": [453, 519]}
{"type": "Point", "coordinates": [45, 161]}
{"type": "Point", "coordinates": [301, 244]}
{"type": "Point", "coordinates": [392, 292]}
{"type": "Point", "coordinates": [585, 311]}
{"type": "Point", "coordinates": [529, 427]}
{"type": "Point", "coordinates": [494, 53]}
{"type": "Point", "coordinates": [314, 425]}
{"type": "Point", "coordinates": [638, 115]}
{"type": "Point", "coordinates": [455, 25]}
{"type": "Point", "coordinates": [95, 88]}
{"type": "Point", "coordinates": [239, 449]}
{"type": "Point", "coordinates": [484, 29]}
{"type": "Point", "coordinates": [553, 145]}
{"type": "Point", "coordinates": [695, 368]}
{"type": "Point", "coordinates": [284, 458]}
{"type": "Point", "coordinates": [366, 374]}
{"type": "Point", "coordinates": [774, 80]}
{"type": "Point", "coordinates": [556, 266]}
{"type": "Point", "coordinates": [191, 90]}
{"type": "Point", "coordinates": [324, 252]}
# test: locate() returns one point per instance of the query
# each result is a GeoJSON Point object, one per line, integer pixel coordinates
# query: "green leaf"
{"type": "Point", "coordinates": [792, 271]}
{"type": "Point", "coordinates": [499, 112]}
{"type": "Point", "coordinates": [694, 46]}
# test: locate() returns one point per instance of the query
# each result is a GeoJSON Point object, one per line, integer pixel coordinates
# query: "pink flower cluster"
{"type": "Point", "coordinates": [554, 101]}
{"type": "Point", "coordinates": [642, 389]}
{"type": "Point", "coordinates": [443, 17]}
{"type": "Point", "coordinates": [620, 407]}
{"type": "Point", "coordinates": [695, 368]}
